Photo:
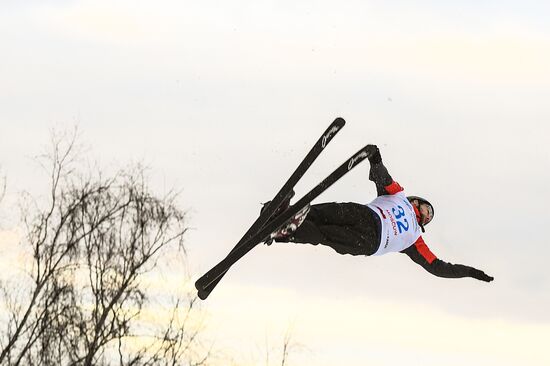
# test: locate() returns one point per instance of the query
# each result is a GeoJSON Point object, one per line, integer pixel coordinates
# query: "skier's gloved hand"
{"type": "Point", "coordinates": [374, 154]}
{"type": "Point", "coordinates": [480, 275]}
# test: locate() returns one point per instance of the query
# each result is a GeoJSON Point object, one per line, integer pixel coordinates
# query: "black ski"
{"type": "Point", "coordinates": [206, 284]}
{"type": "Point", "coordinates": [279, 221]}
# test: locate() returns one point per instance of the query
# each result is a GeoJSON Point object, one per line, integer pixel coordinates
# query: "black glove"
{"type": "Point", "coordinates": [374, 154]}
{"type": "Point", "coordinates": [480, 275]}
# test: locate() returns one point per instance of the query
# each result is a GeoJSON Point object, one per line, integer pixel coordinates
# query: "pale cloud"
{"type": "Point", "coordinates": [498, 59]}
{"type": "Point", "coordinates": [356, 329]}
{"type": "Point", "coordinates": [296, 43]}
{"type": "Point", "coordinates": [95, 22]}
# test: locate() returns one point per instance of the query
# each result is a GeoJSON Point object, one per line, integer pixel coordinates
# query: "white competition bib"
{"type": "Point", "coordinates": [399, 226]}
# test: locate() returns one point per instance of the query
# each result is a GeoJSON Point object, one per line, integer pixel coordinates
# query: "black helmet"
{"type": "Point", "coordinates": [426, 202]}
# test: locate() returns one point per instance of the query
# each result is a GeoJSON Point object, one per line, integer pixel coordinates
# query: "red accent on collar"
{"type": "Point", "coordinates": [417, 213]}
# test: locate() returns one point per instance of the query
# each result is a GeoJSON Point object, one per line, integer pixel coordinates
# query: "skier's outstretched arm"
{"type": "Point", "coordinates": [379, 174]}
{"type": "Point", "coordinates": [421, 254]}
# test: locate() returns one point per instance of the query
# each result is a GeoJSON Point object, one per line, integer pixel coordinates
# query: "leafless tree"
{"type": "Point", "coordinates": [288, 347]}
{"type": "Point", "coordinates": [83, 300]}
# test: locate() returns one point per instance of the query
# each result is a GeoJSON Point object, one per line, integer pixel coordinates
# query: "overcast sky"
{"type": "Point", "coordinates": [223, 100]}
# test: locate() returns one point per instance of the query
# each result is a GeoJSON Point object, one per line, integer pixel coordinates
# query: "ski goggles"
{"type": "Point", "coordinates": [426, 218]}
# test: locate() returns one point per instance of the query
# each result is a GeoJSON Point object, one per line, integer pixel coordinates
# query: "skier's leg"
{"type": "Point", "coordinates": [332, 213]}
{"type": "Point", "coordinates": [343, 239]}
{"type": "Point", "coordinates": [356, 233]}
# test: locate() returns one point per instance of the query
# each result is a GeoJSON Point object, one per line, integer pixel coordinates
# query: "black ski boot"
{"type": "Point", "coordinates": [282, 208]}
{"type": "Point", "coordinates": [287, 230]}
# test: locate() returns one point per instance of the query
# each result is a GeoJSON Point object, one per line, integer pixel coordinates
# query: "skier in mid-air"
{"type": "Point", "coordinates": [392, 222]}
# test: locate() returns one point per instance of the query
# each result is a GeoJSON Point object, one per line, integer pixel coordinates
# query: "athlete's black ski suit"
{"type": "Point", "coordinates": [352, 228]}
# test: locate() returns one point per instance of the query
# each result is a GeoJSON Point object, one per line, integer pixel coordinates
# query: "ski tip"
{"type": "Point", "coordinates": [202, 294]}
{"type": "Point", "coordinates": [340, 121]}
{"type": "Point", "coordinates": [199, 284]}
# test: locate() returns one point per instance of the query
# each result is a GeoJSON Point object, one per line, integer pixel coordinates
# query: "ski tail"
{"type": "Point", "coordinates": [221, 268]}
{"type": "Point", "coordinates": [206, 284]}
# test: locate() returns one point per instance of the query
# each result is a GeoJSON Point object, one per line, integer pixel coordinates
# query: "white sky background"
{"type": "Point", "coordinates": [223, 99]}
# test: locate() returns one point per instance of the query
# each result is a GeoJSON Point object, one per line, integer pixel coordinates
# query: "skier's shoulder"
{"type": "Point", "coordinates": [421, 249]}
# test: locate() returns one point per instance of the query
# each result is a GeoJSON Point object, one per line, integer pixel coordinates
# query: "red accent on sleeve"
{"type": "Point", "coordinates": [393, 188]}
{"type": "Point", "coordinates": [424, 250]}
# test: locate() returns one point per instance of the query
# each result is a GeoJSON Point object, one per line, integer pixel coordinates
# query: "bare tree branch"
{"type": "Point", "coordinates": [91, 245]}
